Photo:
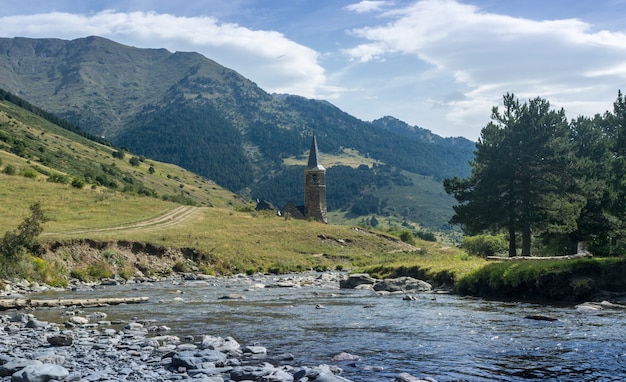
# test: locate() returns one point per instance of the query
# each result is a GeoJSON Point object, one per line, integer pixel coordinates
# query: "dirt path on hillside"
{"type": "Point", "coordinates": [170, 218]}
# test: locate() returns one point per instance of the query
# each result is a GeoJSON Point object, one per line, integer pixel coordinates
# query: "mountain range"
{"type": "Point", "coordinates": [186, 109]}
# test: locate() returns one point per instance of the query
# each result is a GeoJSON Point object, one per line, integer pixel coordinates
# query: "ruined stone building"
{"type": "Point", "coordinates": [314, 190]}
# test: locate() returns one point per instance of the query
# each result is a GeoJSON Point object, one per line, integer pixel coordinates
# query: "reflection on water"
{"type": "Point", "coordinates": [438, 336]}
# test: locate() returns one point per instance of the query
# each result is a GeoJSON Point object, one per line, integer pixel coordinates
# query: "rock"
{"type": "Point", "coordinates": [78, 320]}
{"type": "Point", "coordinates": [226, 345]}
{"type": "Point", "coordinates": [324, 373]}
{"type": "Point", "coordinates": [283, 357]}
{"type": "Point", "coordinates": [284, 284]}
{"type": "Point", "coordinates": [40, 373]}
{"type": "Point", "coordinates": [406, 377]}
{"type": "Point", "coordinates": [61, 340]}
{"type": "Point", "coordinates": [21, 317]}
{"type": "Point", "coordinates": [403, 284]}
{"type": "Point", "coordinates": [252, 373]}
{"type": "Point", "coordinates": [133, 326]}
{"type": "Point", "coordinates": [541, 317]}
{"type": "Point", "coordinates": [343, 357]}
{"type": "Point", "coordinates": [354, 280]}
{"type": "Point", "coordinates": [255, 350]}
{"type": "Point", "coordinates": [16, 364]}
{"type": "Point", "coordinates": [35, 324]}
{"type": "Point", "coordinates": [232, 296]}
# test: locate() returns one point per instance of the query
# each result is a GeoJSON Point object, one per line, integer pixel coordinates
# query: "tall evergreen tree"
{"type": "Point", "coordinates": [592, 140]}
{"type": "Point", "coordinates": [522, 177]}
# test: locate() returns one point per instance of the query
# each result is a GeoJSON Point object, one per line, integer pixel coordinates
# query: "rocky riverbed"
{"type": "Point", "coordinates": [88, 347]}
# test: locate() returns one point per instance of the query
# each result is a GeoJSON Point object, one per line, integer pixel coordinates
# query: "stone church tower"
{"type": "Point", "coordinates": [315, 186]}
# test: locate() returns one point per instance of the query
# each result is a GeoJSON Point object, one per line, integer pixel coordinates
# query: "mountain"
{"type": "Point", "coordinates": [420, 134]}
{"type": "Point", "coordinates": [186, 109]}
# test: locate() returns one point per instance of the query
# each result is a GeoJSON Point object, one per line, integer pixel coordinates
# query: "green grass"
{"type": "Point", "coordinates": [433, 261]}
{"type": "Point", "coordinates": [560, 280]}
{"type": "Point", "coordinates": [50, 149]}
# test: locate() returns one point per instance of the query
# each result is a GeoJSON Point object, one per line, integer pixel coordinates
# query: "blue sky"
{"type": "Point", "coordinates": [438, 64]}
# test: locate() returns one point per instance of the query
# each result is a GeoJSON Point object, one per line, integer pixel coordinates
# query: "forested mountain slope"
{"type": "Point", "coordinates": [187, 109]}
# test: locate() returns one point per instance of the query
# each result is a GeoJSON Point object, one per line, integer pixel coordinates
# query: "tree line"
{"type": "Point", "coordinates": [547, 182]}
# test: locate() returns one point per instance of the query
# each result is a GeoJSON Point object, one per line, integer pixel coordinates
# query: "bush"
{"type": "Point", "coordinates": [484, 245]}
{"type": "Point", "coordinates": [100, 270]}
{"type": "Point", "coordinates": [16, 243]}
{"type": "Point", "coordinates": [9, 170]}
{"type": "Point", "coordinates": [407, 237]}
{"type": "Point", "coordinates": [28, 173]}
{"type": "Point", "coordinates": [59, 178]}
{"type": "Point", "coordinates": [78, 183]}
{"type": "Point", "coordinates": [119, 154]}
{"type": "Point", "coordinates": [180, 267]}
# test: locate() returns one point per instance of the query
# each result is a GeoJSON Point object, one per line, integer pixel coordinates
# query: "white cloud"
{"type": "Point", "coordinates": [269, 58]}
{"type": "Point", "coordinates": [367, 6]}
{"type": "Point", "coordinates": [491, 54]}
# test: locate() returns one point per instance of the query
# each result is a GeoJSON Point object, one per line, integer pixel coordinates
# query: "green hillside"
{"type": "Point", "coordinates": [43, 151]}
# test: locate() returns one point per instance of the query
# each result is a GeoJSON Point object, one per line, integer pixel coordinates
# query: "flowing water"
{"type": "Point", "coordinates": [443, 337]}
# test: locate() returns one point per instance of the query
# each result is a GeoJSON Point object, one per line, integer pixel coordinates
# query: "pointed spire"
{"type": "Point", "coordinates": [314, 160]}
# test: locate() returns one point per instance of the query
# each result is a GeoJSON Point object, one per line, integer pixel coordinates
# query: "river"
{"type": "Point", "coordinates": [437, 336]}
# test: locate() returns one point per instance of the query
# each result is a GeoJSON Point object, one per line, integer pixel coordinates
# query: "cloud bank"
{"type": "Point", "coordinates": [439, 64]}
{"type": "Point", "coordinates": [487, 55]}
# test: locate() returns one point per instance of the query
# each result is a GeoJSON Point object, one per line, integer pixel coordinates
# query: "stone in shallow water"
{"type": "Point", "coordinates": [343, 356]}
{"type": "Point", "coordinates": [228, 344]}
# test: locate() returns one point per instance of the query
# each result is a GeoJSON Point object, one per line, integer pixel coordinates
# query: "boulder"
{"type": "Point", "coordinates": [61, 340]}
{"type": "Point", "coordinates": [252, 373]}
{"type": "Point", "coordinates": [225, 345]}
{"type": "Point", "coordinates": [15, 365]}
{"type": "Point", "coordinates": [403, 284]}
{"type": "Point", "coordinates": [406, 377]}
{"type": "Point", "coordinates": [354, 280]}
{"type": "Point", "coordinates": [40, 373]}
{"type": "Point", "coordinates": [344, 357]}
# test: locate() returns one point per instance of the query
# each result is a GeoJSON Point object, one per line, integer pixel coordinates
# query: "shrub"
{"type": "Point", "coordinates": [15, 243]}
{"type": "Point", "coordinates": [407, 237]}
{"type": "Point", "coordinates": [59, 178]}
{"type": "Point", "coordinates": [78, 183]}
{"type": "Point", "coordinates": [80, 274]}
{"type": "Point", "coordinates": [126, 272]}
{"type": "Point", "coordinates": [9, 170]}
{"type": "Point", "coordinates": [28, 173]}
{"type": "Point", "coordinates": [484, 245]}
{"type": "Point", "coordinates": [99, 270]}
{"type": "Point", "coordinates": [181, 267]}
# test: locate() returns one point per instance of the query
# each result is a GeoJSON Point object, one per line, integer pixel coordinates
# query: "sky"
{"type": "Point", "coordinates": [438, 64]}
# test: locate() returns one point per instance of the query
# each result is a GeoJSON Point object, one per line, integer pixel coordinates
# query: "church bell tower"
{"type": "Point", "coordinates": [315, 186]}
